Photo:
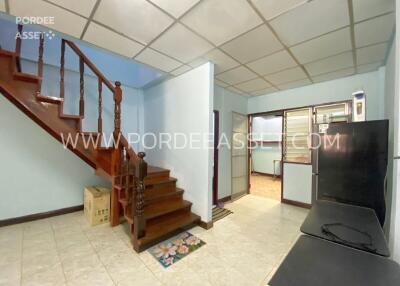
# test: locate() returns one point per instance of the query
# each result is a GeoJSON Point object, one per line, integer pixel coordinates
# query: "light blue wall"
{"type": "Point", "coordinates": [392, 225]}
{"type": "Point", "coordinates": [37, 173]}
{"type": "Point", "coordinates": [226, 102]}
{"type": "Point", "coordinates": [330, 91]}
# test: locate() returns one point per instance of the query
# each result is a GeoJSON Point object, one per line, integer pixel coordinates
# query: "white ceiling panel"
{"type": "Point", "coordinates": [364, 9]}
{"type": "Point", "coordinates": [253, 45]}
{"type": "Point", "coordinates": [81, 7]}
{"type": "Point", "coordinates": [369, 67]}
{"type": "Point", "coordinates": [288, 75]}
{"type": "Point", "coordinates": [252, 85]}
{"type": "Point", "coordinates": [220, 83]}
{"type": "Point", "coordinates": [330, 64]}
{"type": "Point", "coordinates": [294, 84]}
{"type": "Point", "coordinates": [175, 7]}
{"type": "Point", "coordinates": [328, 45]}
{"type": "Point", "coordinates": [272, 8]}
{"type": "Point", "coordinates": [157, 60]}
{"type": "Point", "coordinates": [235, 90]}
{"type": "Point", "coordinates": [371, 54]}
{"type": "Point", "coordinates": [334, 75]}
{"type": "Point", "coordinates": [182, 44]}
{"type": "Point", "coordinates": [374, 31]}
{"type": "Point", "coordinates": [273, 63]}
{"type": "Point", "coordinates": [311, 20]}
{"type": "Point", "coordinates": [137, 19]}
{"type": "Point", "coordinates": [237, 75]}
{"type": "Point", "coordinates": [181, 70]}
{"type": "Point", "coordinates": [64, 21]}
{"type": "Point", "coordinates": [222, 61]}
{"type": "Point", "coordinates": [197, 62]}
{"type": "Point", "coordinates": [109, 40]}
{"type": "Point", "coordinates": [264, 91]}
{"type": "Point", "coordinates": [2, 5]}
{"type": "Point", "coordinates": [221, 20]}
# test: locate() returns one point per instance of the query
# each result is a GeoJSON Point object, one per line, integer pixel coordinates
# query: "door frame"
{"type": "Point", "coordinates": [216, 157]}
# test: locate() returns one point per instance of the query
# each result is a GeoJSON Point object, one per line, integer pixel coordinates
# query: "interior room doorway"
{"type": "Point", "coordinates": [266, 155]}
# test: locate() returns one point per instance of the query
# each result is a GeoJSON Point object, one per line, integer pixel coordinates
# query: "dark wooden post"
{"type": "Point", "coordinates": [81, 87]}
{"type": "Point", "coordinates": [139, 221]}
{"type": "Point", "coordinates": [100, 119]}
{"type": "Point", "coordinates": [62, 63]}
{"type": "Point", "coordinates": [117, 110]}
{"type": "Point", "coordinates": [18, 44]}
{"type": "Point", "coordinates": [40, 63]}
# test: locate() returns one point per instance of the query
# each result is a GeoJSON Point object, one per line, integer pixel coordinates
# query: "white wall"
{"type": "Point", "coordinates": [184, 105]}
{"type": "Point", "coordinates": [226, 102]}
{"type": "Point", "coordinates": [37, 173]}
{"type": "Point", "coordinates": [329, 91]}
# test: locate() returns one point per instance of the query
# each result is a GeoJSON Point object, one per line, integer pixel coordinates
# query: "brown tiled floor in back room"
{"type": "Point", "coordinates": [265, 186]}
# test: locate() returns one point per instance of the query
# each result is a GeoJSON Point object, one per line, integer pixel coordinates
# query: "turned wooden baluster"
{"type": "Point", "coordinates": [40, 62]}
{"type": "Point", "coordinates": [81, 87]}
{"type": "Point", "coordinates": [139, 221]}
{"type": "Point", "coordinates": [100, 119]}
{"type": "Point", "coordinates": [117, 111]}
{"type": "Point", "coordinates": [62, 63]}
{"type": "Point", "coordinates": [18, 44]}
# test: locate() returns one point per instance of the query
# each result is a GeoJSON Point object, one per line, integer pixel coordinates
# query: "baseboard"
{"type": "Point", "coordinates": [297, 204]}
{"type": "Point", "coordinates": [38, 216]}
{"type": "Point", "coordinates": [206, 225]}
{"type": "Point", "coordinates": [225, 199]}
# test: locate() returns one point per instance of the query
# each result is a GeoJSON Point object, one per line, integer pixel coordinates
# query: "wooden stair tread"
{"type": "Point", "coordinates": [70, 116]}
{"type": "Point", "coordinates": [49, 99]}
{"type": "Point", "coordinates": [157, 231]}
{"type": "Point", "coordinates": [159, 182]}
{"type": "Point", "coordinates": [164, 208]}
{"type": "Point", "coordinates": [154, 170]}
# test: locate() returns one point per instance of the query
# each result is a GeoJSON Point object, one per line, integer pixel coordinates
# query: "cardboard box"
{"type": "Point", "coordinates": [97, 205]}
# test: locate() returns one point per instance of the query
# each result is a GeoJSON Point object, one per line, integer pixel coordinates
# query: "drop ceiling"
{"type": "Point", "coordinates": [257, 46]}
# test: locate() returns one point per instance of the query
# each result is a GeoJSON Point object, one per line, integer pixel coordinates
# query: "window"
{"type": "Point", "coordinates": [332, 113]}
{"type": "Point", "coordinates": [297, 134]}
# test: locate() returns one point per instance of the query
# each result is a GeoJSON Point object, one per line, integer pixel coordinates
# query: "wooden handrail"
{"type": "Point", "coordinates": [90, 65]}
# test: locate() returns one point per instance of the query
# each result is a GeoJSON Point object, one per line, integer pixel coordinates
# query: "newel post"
{"type": "Point", "coordinates": [139, 222]}
{"type": "Point", "coordinates": [117, 110]}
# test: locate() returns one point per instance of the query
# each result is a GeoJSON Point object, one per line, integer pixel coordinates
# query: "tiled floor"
{"type": "Point", "coordinates": [242, 249]}
{"type": "Point", "coordinates": [265, 186]}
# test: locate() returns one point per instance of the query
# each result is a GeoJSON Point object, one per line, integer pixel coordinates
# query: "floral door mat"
{"type": "Point", "coordinates": [174, 249]}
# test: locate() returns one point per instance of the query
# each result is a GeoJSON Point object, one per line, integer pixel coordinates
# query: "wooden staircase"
{"type": "Point", "coordinates": [146, 196]}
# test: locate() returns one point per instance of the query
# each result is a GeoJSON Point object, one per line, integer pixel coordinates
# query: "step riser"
{"type": "Point", "coordinates": [162, 188]}
{"type": "Point", "coordinates": [166, 236]}
{"type": "Point", "coordinates": [170, 214]}
{"type": "Point", "coordinates": [172, 198]}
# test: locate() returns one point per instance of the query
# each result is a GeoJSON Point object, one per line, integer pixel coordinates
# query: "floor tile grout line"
{"type": "Point", "coordinates": [58, 253]}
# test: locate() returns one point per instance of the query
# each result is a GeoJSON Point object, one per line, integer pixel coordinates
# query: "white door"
{"type": "Point", "coordinates": [239, 167]}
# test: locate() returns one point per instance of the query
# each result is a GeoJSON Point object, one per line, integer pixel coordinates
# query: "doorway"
{"type": "Point", "coordinates": [216, 156]}
{"type": "Point", "coordinates": [266, 155]}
